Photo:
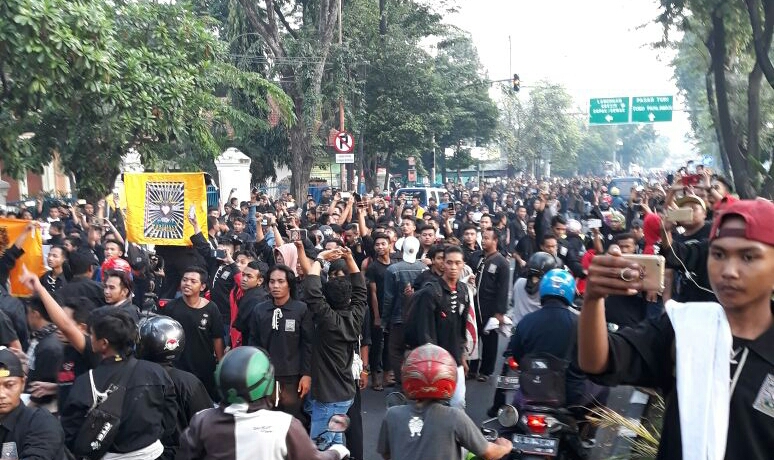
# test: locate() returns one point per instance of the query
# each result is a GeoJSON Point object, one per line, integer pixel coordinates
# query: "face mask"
{"type": "Point", "coordinates": [338, 292]}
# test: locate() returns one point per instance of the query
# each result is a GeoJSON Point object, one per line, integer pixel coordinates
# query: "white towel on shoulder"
{"type": "Point", "coordinates": [703, 346]}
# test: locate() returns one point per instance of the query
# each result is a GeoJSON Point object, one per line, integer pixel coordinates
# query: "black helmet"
{"type": "Point", "coordinates": [244, 375]}
{"type": "Point", "coordinates": [162, 339]}
{"type": "Point", "coordinates": [538, 265]}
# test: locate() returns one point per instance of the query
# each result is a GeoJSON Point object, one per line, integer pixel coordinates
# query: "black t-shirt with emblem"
{"type": "Point", "coordinates": [202, 326]}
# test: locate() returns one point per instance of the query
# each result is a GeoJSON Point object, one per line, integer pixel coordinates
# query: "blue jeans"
{"type": "Point", "coordinates": [320, 413]}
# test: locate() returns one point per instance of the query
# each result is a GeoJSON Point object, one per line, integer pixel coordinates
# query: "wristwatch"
{"type": "Point", "coordinates": [321, 261]}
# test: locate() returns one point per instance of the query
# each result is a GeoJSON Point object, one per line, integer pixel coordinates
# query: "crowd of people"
{"type": "Point", "coordinates": [281, 312]}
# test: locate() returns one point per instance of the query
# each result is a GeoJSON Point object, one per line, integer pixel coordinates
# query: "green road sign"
{"type": "Point", "coordinates": [651, 109]}
{"type": "Point", "coordinates": [609, 110]}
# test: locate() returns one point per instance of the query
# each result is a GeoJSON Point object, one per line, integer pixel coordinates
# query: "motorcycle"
{"type": "Point", "coordinates": [507, 385]}
{"type": "Point", "coordinates": [538, 433]}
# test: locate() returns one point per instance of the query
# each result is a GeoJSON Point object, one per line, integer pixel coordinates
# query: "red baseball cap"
{"type": "Point", "coordinates": [758, 216]}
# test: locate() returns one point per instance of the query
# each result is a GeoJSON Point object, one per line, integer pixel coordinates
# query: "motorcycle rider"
{"type": "Point", "coordinates": [425, 427]}
{"type": "Point", "coordinates": [162, 339]}
{"type": "Point", "coordinates": [551, 330]}
{"type": "Point", "coordinates": [525, 290]}
{"type": "Point", "coordinates": [244, 426]}
{"type": "Point", "coordinates": [525, 300]}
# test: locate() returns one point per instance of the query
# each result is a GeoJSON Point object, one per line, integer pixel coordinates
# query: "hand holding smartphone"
{"type": "Point", "coordinates": [651, 270]}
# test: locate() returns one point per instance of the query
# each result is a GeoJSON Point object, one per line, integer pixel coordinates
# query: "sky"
{"type": "Point", "coordinates": [594, 48]}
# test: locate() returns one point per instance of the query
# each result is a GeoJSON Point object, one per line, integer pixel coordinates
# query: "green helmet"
{"type": "Point", "coordinates": [244, 375]}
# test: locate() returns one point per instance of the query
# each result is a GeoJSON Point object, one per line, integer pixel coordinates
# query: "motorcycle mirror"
{"type": "Point", "coordinates": [507, 416]}
{"type": "Point", "coordinates": [338, 423]}
{"type": "Point", "coordinates": [395, 398]}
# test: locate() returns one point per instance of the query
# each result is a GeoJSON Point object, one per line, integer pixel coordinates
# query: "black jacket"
{"type": "Point", "coordinates": [221, 275]}
{"type": "Point", "coordinates": [335, 339]}
{"type": "Point", "coordinates": [290, 344]}
{"type": "Point", "coordinates": [82, 286]}
{"type": "Point", "coordinates": [246, 307]}
{"type": "Point", "coordinates": [550, 330]}
{"type": "Point", "coordinates": [441, 316]}
{"type": "Point", "coordinates": [493, 281]}
{"type": "Point", "coordinates": [192, 397]}
{"type": "Point", "coordinates": [149, 410]}
{"type": "Point", "coordinates": [37, 434]}
{"type": "Point", "coordinates": [16, 312]}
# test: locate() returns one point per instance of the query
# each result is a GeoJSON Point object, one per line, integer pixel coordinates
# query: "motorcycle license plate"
{"type": "Point", "coordinates": [536, 445]}
{"type": "Point", "coordinates": [507, 382]}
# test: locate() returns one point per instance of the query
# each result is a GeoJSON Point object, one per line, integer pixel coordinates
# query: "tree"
{"type": "Point", "coordinates": [551, 134]}
{"type": "Point", "coordinates": [472, 114]}
{"type": "Point", "coordinates": [145, 79]}
{"type": "Point", "coordinates": [396, 98]}
{"type": "Point", "coordinates": [737, 37]}
{"type": "Point", "coordinates": [298, 35]}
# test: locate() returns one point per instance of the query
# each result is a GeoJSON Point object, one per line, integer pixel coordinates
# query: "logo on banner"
{"type": "Point", "coordinates": [164, 210]}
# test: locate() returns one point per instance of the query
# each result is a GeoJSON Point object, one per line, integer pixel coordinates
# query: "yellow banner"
{"type": "Point", "coordinates": [158, 205]}
{"type": "Point", "coordinates": [10, 229]}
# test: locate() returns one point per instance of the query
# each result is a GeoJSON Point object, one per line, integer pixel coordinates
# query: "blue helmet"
{"type": "Point", "coordinates": [558, 283]}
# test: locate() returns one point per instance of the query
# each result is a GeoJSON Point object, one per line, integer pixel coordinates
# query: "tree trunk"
{"type": "Point", "coordinates": [742, 179]}
{"type": "Point", "coordinates": [754, 112]}
{"type": "Point", "coordinates": [301, 159]}
{"type": "Point", "coordinates": [713, 108]}
{"type": "Point", "coordinates": [762, 35]}
{"type": "Point", "coordinates": [383, 18]}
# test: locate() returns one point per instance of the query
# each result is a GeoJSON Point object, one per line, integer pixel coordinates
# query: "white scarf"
{"type": "Point", "coordinates": [152, 452]}
{"type": "Point", "coordinates": [703, 346]}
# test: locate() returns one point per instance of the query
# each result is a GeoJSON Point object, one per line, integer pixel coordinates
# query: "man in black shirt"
{"type": "Point", "coordinates": [377, 267]}
{"type": "Point", "coordinates": [150, 410]}
{"type": "Point", "coordinates": [436, 263]}
{"type": "Point", "coordinates": [443, 315]}
{"type": "Point", "coordinates": [82, 263]}
{"type": "Point", "coordinates": [203, 328]}
{"type": "Point", "coordinates": [161, 341]}
{"type": "Point", "coordinates": [45, 356]}
{"type": "Point", "coordinates": [493, 281]}
{"type": "Point", "coordinates": [220, 270]}
{"type": "Point", "coordinates": [337, 308]}
{"type": "Point", "coordinates": [470, 246]}
{"type": "Point", "coordinates": [626, 311]}
{"type": "Point", "coordinates": [26, 432]}
{"type": "Point", "coordinates": [526, 246]}
{"type": "Point", "coordinates": [741, 272]}
{"type": "Point", "coordinates": [251, 283]}
{"type": "Point", "coordinates": [283, 327]}
{"type": "Point", "coordinates": [690, 286]}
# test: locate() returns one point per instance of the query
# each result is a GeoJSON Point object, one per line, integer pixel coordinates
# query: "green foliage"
{"type": "Point", "coordinates": [722, 56]}
{"type": "Point", "coordinates": [105, 77]}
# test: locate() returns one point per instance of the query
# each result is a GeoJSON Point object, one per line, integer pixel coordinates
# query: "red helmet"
{"type": "Point", "coordinates": [116, 263]}
{"type": "Point", "coordinates": [429, 372]}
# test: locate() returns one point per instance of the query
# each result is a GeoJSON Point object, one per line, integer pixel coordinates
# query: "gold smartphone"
{"type": "Point", "coordinates": [680, 215]}
{"type": "Point", "coordinates": [652, 270]}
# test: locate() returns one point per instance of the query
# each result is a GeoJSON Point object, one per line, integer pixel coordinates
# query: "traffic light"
{"type": "Point", "coordinates": [516, 83]}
